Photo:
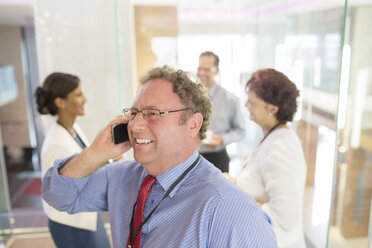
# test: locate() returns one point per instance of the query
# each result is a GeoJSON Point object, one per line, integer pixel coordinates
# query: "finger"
{"type": "Point", "coordinates": [118, 119]}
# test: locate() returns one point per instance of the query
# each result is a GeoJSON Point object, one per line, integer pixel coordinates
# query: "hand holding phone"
{"type": "Point", "coordinates": [119, 133]}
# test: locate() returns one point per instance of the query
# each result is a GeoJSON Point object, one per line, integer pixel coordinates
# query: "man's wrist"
{"type": "Point", "coordinates": [82, 165]}
{"type": "Point", "coordinates": [92, 159]}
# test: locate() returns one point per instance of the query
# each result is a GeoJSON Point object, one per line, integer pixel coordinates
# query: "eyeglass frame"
{"type": "Point", "coordinates": [146, 117]}
{"type": "Point", "coordinates": [212, 69]}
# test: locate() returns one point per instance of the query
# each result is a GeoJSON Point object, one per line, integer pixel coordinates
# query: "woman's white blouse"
{"type": "Point", "coordinates": [275, 175]}
{"type": "Point", "coordinates": [60, 144]}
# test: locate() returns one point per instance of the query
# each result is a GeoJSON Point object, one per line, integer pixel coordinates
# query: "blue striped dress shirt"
{"type": "Point", "coordinates": [203, 210]}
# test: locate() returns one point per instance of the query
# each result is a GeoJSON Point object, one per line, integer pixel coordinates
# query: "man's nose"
{"type": "Point", "coordinates": [138, 123]}
{"type": "Point", "coordinates": [201, 72]}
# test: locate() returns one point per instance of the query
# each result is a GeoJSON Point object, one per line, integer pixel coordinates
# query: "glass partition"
{"type": "Point", "coordinates": [351, 206]}
{"type": "Point", "coordinates": [303, 39]}
{"type": "Point", "coordinates": [5, 208]}
{"type": "Point", "coordinates": [89, 39]}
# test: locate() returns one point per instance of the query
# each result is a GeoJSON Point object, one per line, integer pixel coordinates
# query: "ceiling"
{"type": "Point", "coordinates": [17, 12]}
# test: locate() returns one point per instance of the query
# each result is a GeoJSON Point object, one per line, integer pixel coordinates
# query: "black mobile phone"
{"type": "Point", "coordinates": [119, 133]}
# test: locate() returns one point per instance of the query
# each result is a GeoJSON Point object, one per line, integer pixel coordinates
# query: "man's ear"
{"type": "Point", "coordinates": [194, 124]}
{"type": "Point", "coordinates": [215, 70]}
{"type": "Point", "coordinates": [60, 102]}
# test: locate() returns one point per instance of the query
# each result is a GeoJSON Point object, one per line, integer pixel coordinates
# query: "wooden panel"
{"type": "Point", "coordinates": [366, 140]}
{"type": "Point", "coordinates": [357, 195]}
{"type": "Point", "coordinates": [308, 135]}
{"type": "Point", "coordinates": [150, 22]}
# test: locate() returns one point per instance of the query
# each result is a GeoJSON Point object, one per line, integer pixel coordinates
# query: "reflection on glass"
{"type": "Point", "coordinates": [359, 103]}
{"type": "Point", "coordinates": [351, 208]}
{"type": "Point", "coordinates": [344, 87]}
{"type": "Point", "coordinates": [322, 180]}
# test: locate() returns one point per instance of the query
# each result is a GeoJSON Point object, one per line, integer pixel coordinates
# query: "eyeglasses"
{"type": "Point", "coordinates": [213, 69]}
{"type": "Point", "coordinates": [148, 114]}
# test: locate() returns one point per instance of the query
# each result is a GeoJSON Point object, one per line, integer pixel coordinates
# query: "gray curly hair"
{"type": "Point", "coordinates": [193, 95]}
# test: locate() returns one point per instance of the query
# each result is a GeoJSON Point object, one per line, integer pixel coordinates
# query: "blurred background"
{"type": "Point", "coordinates": [325, 47]}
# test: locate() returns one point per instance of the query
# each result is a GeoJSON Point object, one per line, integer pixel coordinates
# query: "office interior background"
{"type": "Point", "coordinates": [325, 47]}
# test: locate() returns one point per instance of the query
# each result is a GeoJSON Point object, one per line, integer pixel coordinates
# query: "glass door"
{"type": "Point", "coordinates": [351, 205]}
{"type": "Point", "coordinates": [5, 219]}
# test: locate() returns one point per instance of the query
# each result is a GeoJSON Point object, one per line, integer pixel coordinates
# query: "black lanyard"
{"type": "Point", "coordinates": [179, 179]}
{"type": "Point", "coordinates": [272, 129]}
{"type": "Point", "coordinates": [77, 138]}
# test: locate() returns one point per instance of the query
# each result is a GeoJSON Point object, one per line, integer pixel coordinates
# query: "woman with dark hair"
{"type": "Point", "coordinates": [61, 94]}
{"type": "Point", "coordinates": [275, 174]}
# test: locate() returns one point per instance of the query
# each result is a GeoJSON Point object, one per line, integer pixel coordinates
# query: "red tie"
{"type": "Point", "coordinates": [143, 194]}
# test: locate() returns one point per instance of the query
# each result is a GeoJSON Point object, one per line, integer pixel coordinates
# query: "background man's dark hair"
{"type": "Point", "coordinates": [216, 58]}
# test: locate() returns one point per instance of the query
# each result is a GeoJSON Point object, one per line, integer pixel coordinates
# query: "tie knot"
{"type": "Point", "coordinates": [148, 182]}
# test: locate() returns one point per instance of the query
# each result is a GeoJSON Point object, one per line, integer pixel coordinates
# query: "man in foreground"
{"type": "Point", "coordinates": [169, 196]}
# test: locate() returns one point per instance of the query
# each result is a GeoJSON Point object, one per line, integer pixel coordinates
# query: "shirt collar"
{"type": "Point", "coordinates": [212, 90]}
{"type": "Point", "coordinates": [167, 178]}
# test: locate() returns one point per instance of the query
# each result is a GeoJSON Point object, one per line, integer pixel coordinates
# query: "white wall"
{"type": "Point", "coordinates": [86, 39]}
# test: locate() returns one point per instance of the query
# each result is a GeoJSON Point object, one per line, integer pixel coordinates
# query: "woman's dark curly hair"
{"type": "Point", "coordinates": [55, 85]}
{"type": "Point", "coordinates": [275, 88]}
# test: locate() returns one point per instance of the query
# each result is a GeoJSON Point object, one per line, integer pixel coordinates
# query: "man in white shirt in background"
{"type": "Point", "coordinates": [227, 122]}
